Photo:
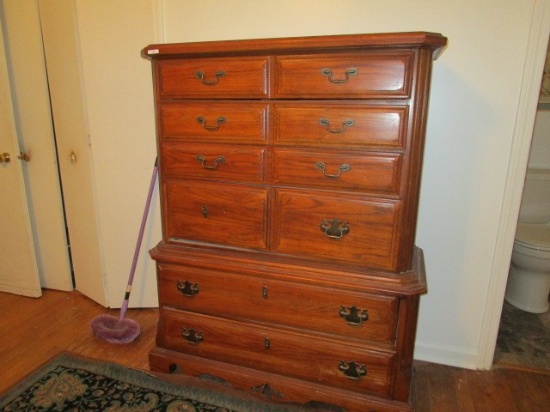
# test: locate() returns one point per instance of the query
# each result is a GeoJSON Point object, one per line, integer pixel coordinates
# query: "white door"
{"type": "Point", "coordinates": [33, 121]}
{"type": "Point", "coordinates": [18, 267]}
{"type": "Point", "coordinates": [41, 45]}
{"type": "Point", "coordinates": [62, 49]}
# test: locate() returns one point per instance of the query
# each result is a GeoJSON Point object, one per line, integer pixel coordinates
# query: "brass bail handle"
{"type": "Point", "coordinates": [345, 124]}
{"type": "Point", "coordinates": [219, 121]}
{"type": "Point", "coordinates": [352, 71]}
{"type": "Point", "coordinates": [202, 160]}
{"type": "Point", "coordinates": [187, 288]}
{"type": "Point", "coordinates": [192, 336]}
{"type": "Point", "coordinates": [202, 77]}
{"type": "Point", "coordinates": [342, 168]}
{"type": "Point", "coordinates": [353, 315]}
{"type": "Point", "coordinates": [334, 228]}
{"type": "Point", "coordinates": [352, 370]}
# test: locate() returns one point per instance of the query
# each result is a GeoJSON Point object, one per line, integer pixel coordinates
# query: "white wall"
{"type": "Point", "coordinates": [120, 123]}
{"type": "Point", "coordinates": [475, 96]}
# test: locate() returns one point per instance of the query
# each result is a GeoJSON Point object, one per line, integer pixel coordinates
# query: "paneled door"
{"type": "Point", "coordinates": [18, 267]}
{"type": "Point", "coordinates": [24, 53]}
{"type": "Point", "coordinates": [41, 51]}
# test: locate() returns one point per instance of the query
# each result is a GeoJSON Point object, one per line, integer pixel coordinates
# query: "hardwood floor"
{"type": "Point", "coordinates": [34, 330]}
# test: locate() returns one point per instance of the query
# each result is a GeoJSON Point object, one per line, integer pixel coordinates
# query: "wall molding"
{"type": "Point", "coordinates": [159, 21]}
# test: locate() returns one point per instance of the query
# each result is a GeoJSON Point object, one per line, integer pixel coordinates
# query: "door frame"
{"type": "Point", "coordinates": [517, 166]}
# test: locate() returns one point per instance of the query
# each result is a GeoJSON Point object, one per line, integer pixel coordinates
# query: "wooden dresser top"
{"type": "Point", "coordinates": [346, 42]}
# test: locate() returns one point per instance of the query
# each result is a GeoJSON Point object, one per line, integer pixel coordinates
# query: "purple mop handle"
{"type": "Point", "coordinates": [138, 244]}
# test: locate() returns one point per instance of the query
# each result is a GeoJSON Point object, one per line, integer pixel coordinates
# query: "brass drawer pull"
{"type": "Point", "coordinates": [332, 228]}
{"type": "Point", "coordinates": [352, 370]}
{"type": "Point", "coordinates": [219, 74]}
{"type": "Point", "coordinates": [352, 71]}
{"type": "Point", "coordinates": [353, 315]}
{"type": "Point", "coordinates": [219, 121]}
{"type": "Point", "coordinates": [187, 288]}
{"type": "Point", "coordinates": [342, 168]}
{"type": "Point", "coordinates": [345, 124]}
{"type": "Point", "coordinates": [202, 160]}
{"type": "Point", "coordinates": [192, 336]}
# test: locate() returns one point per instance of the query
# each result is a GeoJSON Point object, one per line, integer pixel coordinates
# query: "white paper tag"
{"type": "Point", "coordinates": [153, 51]}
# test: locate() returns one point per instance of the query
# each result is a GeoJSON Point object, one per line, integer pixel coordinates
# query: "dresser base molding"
{"type": "Point", "coordinates": [281, 388]}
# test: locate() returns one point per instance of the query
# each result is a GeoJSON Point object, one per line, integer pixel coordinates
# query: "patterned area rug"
{"type": "Point", "coordinates": [523, 339]}
{"type": "Point", "coordinates": [70, 383]}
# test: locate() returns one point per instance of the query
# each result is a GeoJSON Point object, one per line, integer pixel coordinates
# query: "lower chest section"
{"type": "Point", "coordinates": [284, 324]}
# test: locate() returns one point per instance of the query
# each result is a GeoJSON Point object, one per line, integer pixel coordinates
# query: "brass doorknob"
{"type": "Point", "coordinates": [5, 158]}
{"type": "Point", "coordinates": [24, 156]}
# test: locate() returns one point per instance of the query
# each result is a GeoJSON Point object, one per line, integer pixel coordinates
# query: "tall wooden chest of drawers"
{"type": "Point", "coordinates": [289, 179]}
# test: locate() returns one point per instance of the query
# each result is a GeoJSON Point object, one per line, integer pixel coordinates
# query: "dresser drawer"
{"type": "Point", "coordinates": [230, 215]}
{"type": "Point", "coordinates": [221, 162]}
{"type": "Point", "coordinates": [336, 227]}
{"type": "Point", "coordinates": [329, 361]}
{"type": "Point", "coordinates": [229, 122]}
{"type": "Point", "coordinates": [340, 125]}
{"type": "Point", "coordinates": [355, 315]}
{"type": "Point", "coordinates": [370, 172]}
{"type": "Point", "coordinates": [376, 74]}
{"type": "Point", "coordinates": [223, 77]}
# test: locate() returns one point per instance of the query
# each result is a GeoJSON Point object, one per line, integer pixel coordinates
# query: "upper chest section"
{"type": "Point", "coordinates": [323, 67]}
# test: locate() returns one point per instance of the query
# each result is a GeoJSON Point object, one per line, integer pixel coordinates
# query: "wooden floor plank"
{"type": "Point", "coordinates": [423, 388]}
{"type": "Point", "coordinates": [32, 331]}
{"type": "Point", "coordinates": [443, 388]}
{"type": "Point", "coordinates": [465, 403]}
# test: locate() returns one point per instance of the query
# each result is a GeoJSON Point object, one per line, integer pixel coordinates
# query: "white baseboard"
{"type": "Point", "coordinates": [447, 355]}
{"type": "Point", "coordinates": [21, 290]}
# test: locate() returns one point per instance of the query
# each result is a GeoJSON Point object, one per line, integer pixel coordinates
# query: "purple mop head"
{"type": "Point", "coordinates": [114, 330]}
{"type": "Point", "coordinates": [121, 330]}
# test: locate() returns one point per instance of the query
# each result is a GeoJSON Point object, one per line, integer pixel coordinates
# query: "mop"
{"type": "Point", "coordinates": [122, 330]}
